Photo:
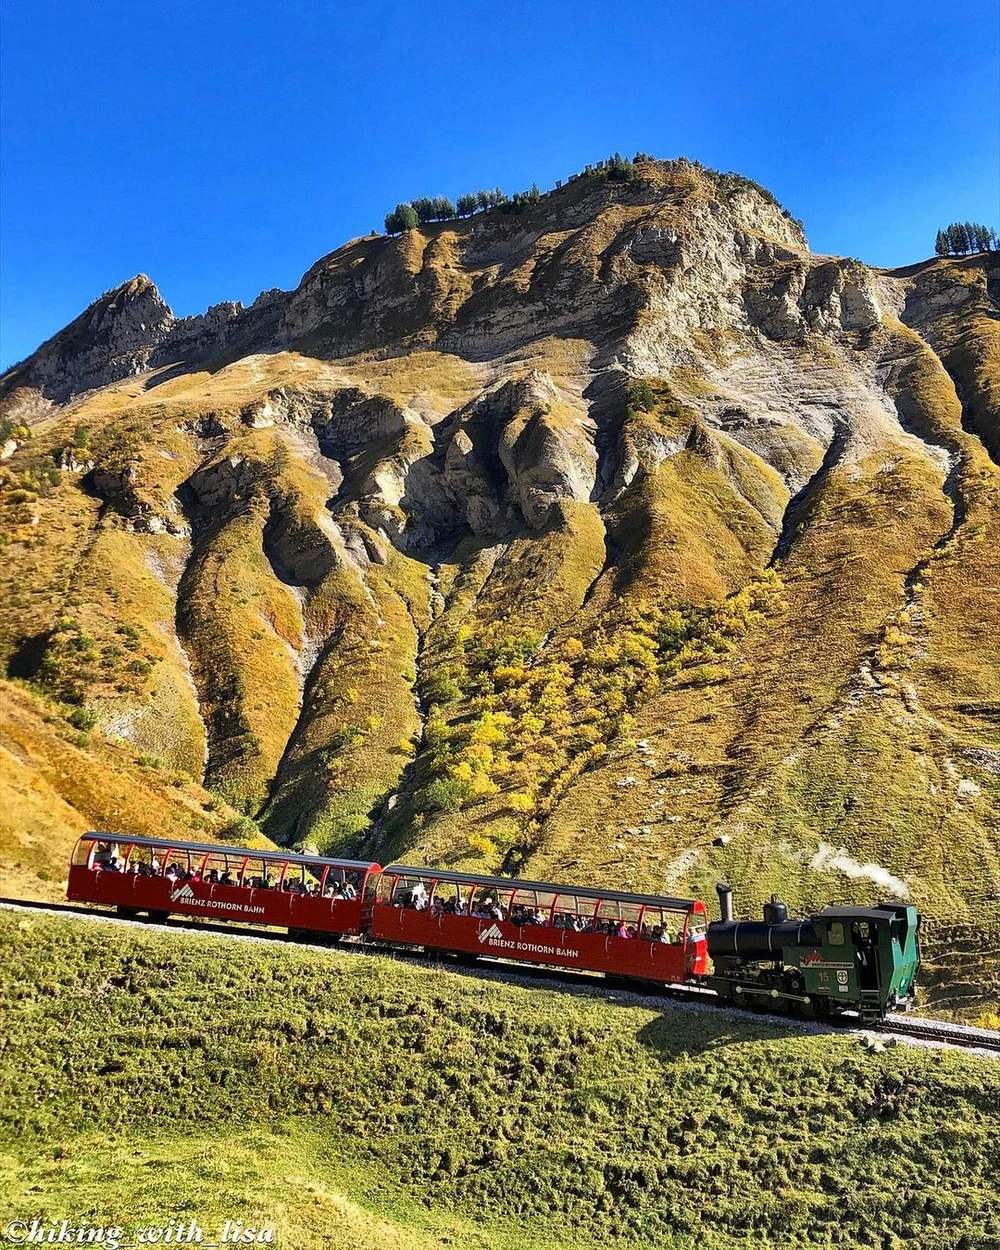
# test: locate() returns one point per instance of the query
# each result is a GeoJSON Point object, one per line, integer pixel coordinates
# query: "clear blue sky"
{"type": "Point", "coordinates": [222, 147]}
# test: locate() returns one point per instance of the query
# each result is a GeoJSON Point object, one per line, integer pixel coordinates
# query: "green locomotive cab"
{"type": "Point", "coordinates": [860, 959]}
{"type": "Point", "coordinates": [864, 957]}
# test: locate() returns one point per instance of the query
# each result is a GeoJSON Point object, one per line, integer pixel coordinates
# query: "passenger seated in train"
{"type": "Point", "coordinates": [108, 858]}
{"type": "Point", "coordinates": [105, 855]}
{"type": "Point", "coordinates": [227, 878]}
{"type": "Point", "coordinates": [522, 915]}
{"type": "Point", "coordinates": [418, 897]}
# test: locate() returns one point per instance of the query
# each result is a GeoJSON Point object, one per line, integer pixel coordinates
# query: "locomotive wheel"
{"type": "Point", "coordinates": [158, 917]}
{"type": "Point", "coordinates": [127, 913]}
{"type": "Point", "coordinates": [796, 983]}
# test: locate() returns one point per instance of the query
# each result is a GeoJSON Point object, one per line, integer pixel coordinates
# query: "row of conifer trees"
{"type": "Point", "coordinates": [616, 168]}
{"type": "Point", "coordinates": [420, 212]}
{"type": "Point", "coordinates": [962, 237]}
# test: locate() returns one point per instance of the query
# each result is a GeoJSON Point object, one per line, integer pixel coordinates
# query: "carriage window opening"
{"type": "Point", "coordinates": [412, 892]}
{"type": "Point", "coordinates": [215, 868]}
{"type": "Point", "coordinates": [108, 856]}
{"type": "Point", "coordinates": [312, 875]}
{"type": "Point", "coordinates": [173, 866]}
{"type": "Point", "coordinates": [617, 919]}
{"type": "Point", "coordinates": [259, 875]}
{"type": "Point", "coordinates": [295, 879]}
{"type": "Point", "coordinates": [342, 886]}
{"type": "Point", "coordinates": [488, 904]}
{"type": "Point", "coordinates": [144, 861]}
{"type": "Point", "coordinates": [836, 933]}
{"type": "Point", "coordinates": [333, 887]}
{"type": "Point", "coordinates": [449, 899]}
{"type": "Point", "coordinates": [83, 854]}
{"type": "Point", "coordinates": [573, 914]}
{"type": "Point", "coordinates": [532, 907]}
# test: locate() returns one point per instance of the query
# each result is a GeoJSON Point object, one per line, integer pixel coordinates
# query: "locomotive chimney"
{"type": "Point", "coordinates": [725, 893]}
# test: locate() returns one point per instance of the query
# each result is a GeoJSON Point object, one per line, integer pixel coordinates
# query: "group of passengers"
{"type": "Point", "coordinates": [108, 858]}
{"type": "Point", "coordinates": [488, 908]}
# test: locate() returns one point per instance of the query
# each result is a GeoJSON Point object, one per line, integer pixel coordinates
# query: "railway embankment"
{"type": "Point", "coordinates": [371, 1101]}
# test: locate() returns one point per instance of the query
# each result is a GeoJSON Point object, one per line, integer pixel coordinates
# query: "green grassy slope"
{"type": "Point", "coordinates": [354, 1101]}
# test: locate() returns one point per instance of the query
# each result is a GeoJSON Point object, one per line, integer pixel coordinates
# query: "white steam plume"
{"type": "Point", "coordinates": [836, 859]}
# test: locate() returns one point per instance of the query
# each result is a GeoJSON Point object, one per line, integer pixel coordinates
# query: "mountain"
{"type": "Point", "coordinates": [621, 538]}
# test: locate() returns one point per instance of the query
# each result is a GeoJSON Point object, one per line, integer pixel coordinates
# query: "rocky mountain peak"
{"type": "Point", "coordinates": [586, 258]}
{"type": "Point", "coordinates": [135, 308]}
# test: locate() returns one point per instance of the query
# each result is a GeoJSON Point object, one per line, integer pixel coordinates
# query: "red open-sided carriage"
{"type": "Point", "coordinates": [161, 876]}
{"type": "Point", "coordinates": [632, 935]}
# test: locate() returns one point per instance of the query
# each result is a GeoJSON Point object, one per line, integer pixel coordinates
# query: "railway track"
{"type": "Point", "coordinates": [941, 1031]}
{"type": "Point", "coordinates": [934, 1032]}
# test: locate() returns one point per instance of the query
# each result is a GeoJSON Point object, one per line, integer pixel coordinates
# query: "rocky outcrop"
{"type": "Point", "coordinates": [547, 449]}
{"type": "Point", "coordinates": [954, 307]}
{"type": "Point", "coordinates": [113, 339]}
{"type": "Point", "coordinates": [501, 463]}
{"type": "Point", "coordinates": [833, 296]}
{"type": "Point", "coordinates": [123, 491]}
{"type": "Point", "coordinates": [223, 482]}
{"type": "Point", "coordinates": [130, 330]}
{"type": "Point", "coordinates": [72, 460]}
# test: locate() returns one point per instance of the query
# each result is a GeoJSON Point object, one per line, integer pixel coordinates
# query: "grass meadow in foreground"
{"type": "Point", "coordinates": [357, 1101]}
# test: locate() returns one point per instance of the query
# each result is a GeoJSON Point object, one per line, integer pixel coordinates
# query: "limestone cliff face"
{"type": "Point", "coordinates": [623, 537]}
{"type": "Point", "coordinates": [130, 330]}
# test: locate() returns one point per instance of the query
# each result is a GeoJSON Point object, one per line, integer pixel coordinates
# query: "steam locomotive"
{"type": "Point", "coordinates": [859, 959]}
{"type": "Point", "coordinates": [862, 959]}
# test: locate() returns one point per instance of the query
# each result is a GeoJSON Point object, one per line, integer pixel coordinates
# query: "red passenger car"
{"type": "Point", "coordinates": [161, 876]}
{"type": "Point", "coordinates": [632, 935]}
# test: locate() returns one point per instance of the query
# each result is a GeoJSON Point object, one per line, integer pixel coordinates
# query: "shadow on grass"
{"type": "Point", "coordinates": [679, 1033]}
